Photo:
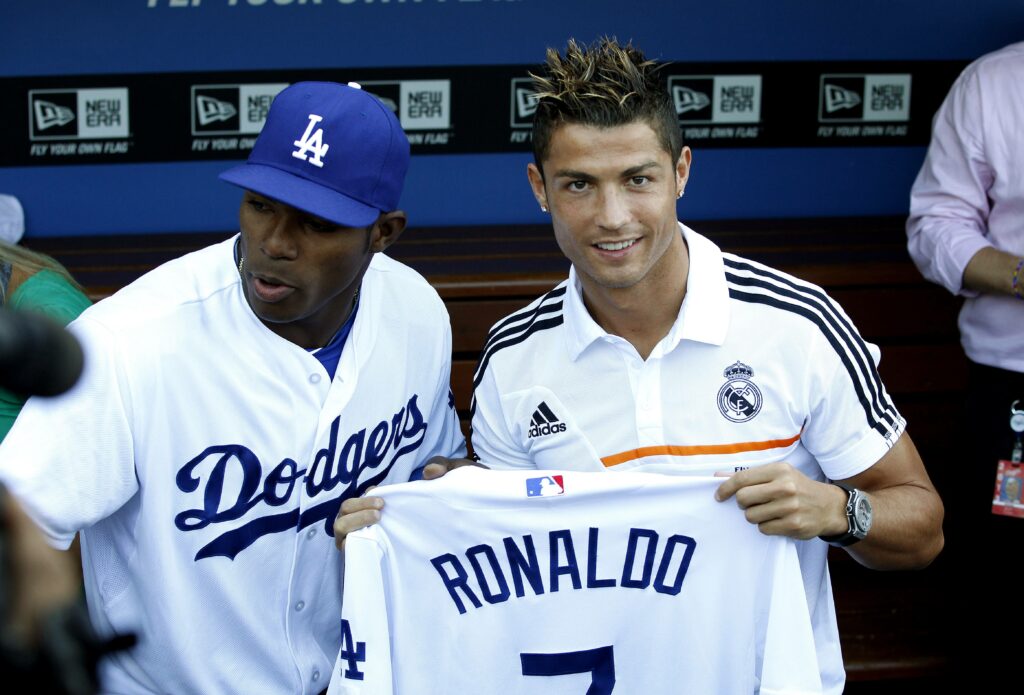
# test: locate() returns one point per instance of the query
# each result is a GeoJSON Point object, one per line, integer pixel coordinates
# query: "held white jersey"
{"type": "Point", "coordinates": [205, 458]}
{"type": "Point", "coordinates": [549, 583]}
{"type": "Point", "coordinates": [759, 367]}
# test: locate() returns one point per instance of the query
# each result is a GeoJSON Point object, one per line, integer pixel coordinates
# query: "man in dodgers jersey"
{"type": "Point", "coordinates": [552, 590]}
{"type": "Point", "coordinates": [660, 353]}
{"type": "Point", "coordinates": [232, 398]}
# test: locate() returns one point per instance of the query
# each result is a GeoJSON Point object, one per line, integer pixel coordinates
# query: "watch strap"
{"type": "Point", "coordinates": [842, 540]}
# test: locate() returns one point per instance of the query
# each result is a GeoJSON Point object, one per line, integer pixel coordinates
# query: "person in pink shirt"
{"type": "Point", "coordinates": [966, 233]}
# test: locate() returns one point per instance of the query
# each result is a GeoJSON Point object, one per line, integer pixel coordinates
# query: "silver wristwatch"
{"type": "Point", "coordinates": [858, 518]}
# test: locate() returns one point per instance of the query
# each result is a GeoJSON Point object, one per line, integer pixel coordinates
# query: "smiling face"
{"type": "Point", "coordinates": [301, 273]}
{"type": "Point", "coordinates": [612, 197]}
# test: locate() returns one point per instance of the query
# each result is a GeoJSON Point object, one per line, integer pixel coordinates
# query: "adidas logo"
{"type": "Point", "coordinates": [544, 422]}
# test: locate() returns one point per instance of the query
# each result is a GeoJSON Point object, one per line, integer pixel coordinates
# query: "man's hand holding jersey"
{"type": "Point", "coordinates": [782, 501]}
{"type": "Point", "coordinates": [906, 531]}
{"type": "Point", "coordinates": [360, 512]}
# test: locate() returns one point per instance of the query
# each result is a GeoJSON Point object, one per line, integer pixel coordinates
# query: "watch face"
{"type": "Point", "coordinates": [862, 514]}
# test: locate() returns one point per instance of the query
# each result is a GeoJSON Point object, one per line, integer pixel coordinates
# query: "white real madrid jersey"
{"type": "Point", "coordinates": [550, 583]}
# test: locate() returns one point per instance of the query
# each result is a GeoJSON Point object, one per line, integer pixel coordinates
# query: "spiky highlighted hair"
{"type": "Point", "coordinates": [604, 84]}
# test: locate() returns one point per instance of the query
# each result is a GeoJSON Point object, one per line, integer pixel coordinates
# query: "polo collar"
{"type": "Point", "coordinates": [703, 316]}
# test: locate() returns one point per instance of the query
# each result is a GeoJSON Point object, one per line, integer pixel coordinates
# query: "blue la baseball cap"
{"type": "Point", "coordinates": [328, 149]}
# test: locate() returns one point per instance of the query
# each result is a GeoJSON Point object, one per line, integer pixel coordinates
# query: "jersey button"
{"type": "Point", "coordinates": [316, 675]}
{"type": "Point", "coordinates": [300, 605]}
{"type": "Point", "coordinates": [312, 532]}
{"type": "Point", "coordinates": [314, 378]}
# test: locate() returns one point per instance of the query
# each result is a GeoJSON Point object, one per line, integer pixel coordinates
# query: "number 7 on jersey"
{"type": "Point", "coordinates": [599, 662]}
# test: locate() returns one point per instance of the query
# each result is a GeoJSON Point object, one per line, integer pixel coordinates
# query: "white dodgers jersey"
{"type": "Point", "coordinates": [570, 583]}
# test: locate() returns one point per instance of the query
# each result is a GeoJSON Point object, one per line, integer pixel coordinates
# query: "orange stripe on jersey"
{"type": "Point", "coordinates": [697, 450]}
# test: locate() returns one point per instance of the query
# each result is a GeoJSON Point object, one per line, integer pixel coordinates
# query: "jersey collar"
{"type": "Point", "coordinates": [703, 316]}
{"type": "Point", "coordinates": [359, 344]}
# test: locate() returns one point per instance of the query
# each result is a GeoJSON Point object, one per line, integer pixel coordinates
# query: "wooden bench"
{"type": "Point", "coordinates": [890, 623]}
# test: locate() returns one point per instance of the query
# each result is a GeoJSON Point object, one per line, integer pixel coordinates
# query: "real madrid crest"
{"type": "Point", "coordinates": [739, 399]}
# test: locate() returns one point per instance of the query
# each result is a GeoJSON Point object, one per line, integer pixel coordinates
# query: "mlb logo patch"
{"type": "Point", "coordinates": [545, 486]}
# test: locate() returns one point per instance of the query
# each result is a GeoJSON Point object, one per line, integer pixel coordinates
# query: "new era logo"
{"type": "Point", "coordinates": [49, 114]}
{"type": "Point", "coordinates": [838, 98]}
{"type": "Point", "coordinates": [544, 422]}
{"type": "Point", "coordinates": [232, 109]}
{"type": "Point", "coordinates": [863, 98]}
{"type": "Point", "coordinates": [210, 110]}
{"type": "Point", "coordinates": [686, 99]}
{"type": "Point", "coordinates": [545, 486]}
{"type": "Point", "coordinates": [716, 98]}
{"type": "Point", "coordinates": [387, 101]}
{"type": "Point", "coordinates": [524, 102]}
{"type": "Point", "coordinates": [419, 104]}
{"type": "Point", "coordinates": [78, 114]}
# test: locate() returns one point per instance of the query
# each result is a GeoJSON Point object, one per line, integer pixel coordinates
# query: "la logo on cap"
{"type": "Point", "coordinates": [312, 142]}
{"type": "Point", "coordinates": [288, 163]}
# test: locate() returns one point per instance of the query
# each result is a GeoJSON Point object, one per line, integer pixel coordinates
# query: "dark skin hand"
{"type": "Point", "coordinates": [360, 512]}
{"type": "Point", "coordinates": [41, 579]}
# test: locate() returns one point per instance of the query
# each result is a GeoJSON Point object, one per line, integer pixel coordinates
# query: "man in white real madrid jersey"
{"type": "Point", "coordinates": [232, 398]}
{"type": "Point", "coordinates": [660, 353]}
{"type": "Point", "coordinates": [550, 591]}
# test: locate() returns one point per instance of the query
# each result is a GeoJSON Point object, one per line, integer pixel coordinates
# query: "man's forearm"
{"type": "Point", "coordinates": [907, 529]}
{"type": "Point", "coordinates": [992, 271]}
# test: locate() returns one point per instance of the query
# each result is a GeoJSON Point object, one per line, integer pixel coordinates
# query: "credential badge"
{"type": "Point", "coordinates": [312, 142]}
{"type": "Point", "coordinates": [739, 399]}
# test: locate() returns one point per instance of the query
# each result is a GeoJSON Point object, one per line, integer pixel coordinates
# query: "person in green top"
{"type": "Point", "coordinates": [31, 281]}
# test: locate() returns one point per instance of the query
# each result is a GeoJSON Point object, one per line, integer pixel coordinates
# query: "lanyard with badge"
{"type": "Point", "coordinates": [1008, 498]}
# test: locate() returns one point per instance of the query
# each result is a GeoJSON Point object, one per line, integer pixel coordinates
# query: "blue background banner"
{"type": "Point", "coordinates": [55, 41]}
